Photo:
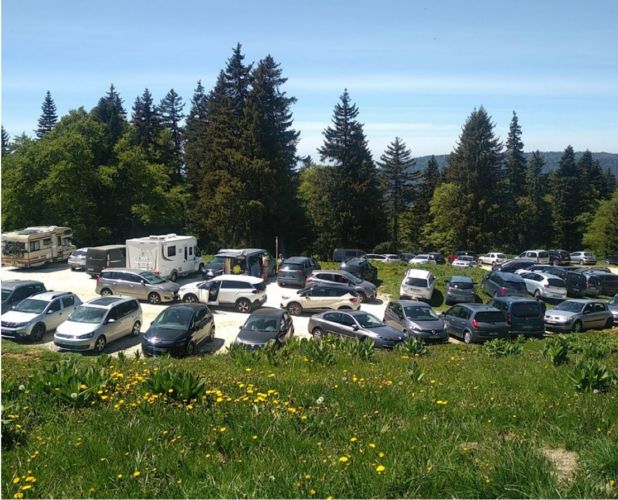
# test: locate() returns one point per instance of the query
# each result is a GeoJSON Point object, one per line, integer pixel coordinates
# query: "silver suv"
{"type": "Point", "coordinates": [35, 316]}
{"type": "Point", "coordinates": [137, 283]}
{"type": "Point", "coordinates": [243, 292]}
{"type": "Point", "coordinates": [99, 321]}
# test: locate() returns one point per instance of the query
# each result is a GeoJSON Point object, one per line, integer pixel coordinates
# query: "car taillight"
{"type": "Point", "coordinates": [98, 278]}
{"type": "Point", "coordinates": [545, 286]}
{"type": "Point", "coordinates": [354, 299]}
{"type": "Point", "coordinates": [509, 318]}
{"type": "Point", "coordinates": [502, 290]}
{"type": "Point", "coordinates": [475, 323]}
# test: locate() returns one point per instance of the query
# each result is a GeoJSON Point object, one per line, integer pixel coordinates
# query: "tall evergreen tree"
{"type": "Point", "coordinates": [357, 213]}
{"type": "Point", "coordinates": [170, 112]}
{"type": "Point", "coordinates": [418, 215]}
{"type": "Point", "coordinates": [609, 183]}
{"type": "Point", "coordinates": [564, 190]}
{"type": "Point", "coordinates": [195, 129]}
{"type": "Point", "coordinates": [535, 215]}
{"type": "Point", "coordinates": [397, 181]}
{"type": "Point", "coordinates": [474, 166]}
{"type": "Point", "coordinates": [146, 121]}
{"type": "Point", "coordinates": [237, 81]}
{"type": "Point", "coordinates": [109, 111]}
{"type": "Point", "coordinates": [5, 141]}
{"type": "Point", "coordinates": [48, 116]}
{"type": "Point", "coordinates": [514, 170]}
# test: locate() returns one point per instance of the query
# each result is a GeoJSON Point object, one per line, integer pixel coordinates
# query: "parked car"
{"type": "Point", "coordinates": [612, 258]}
{"type": "Point", "coordinates": [459, 289]}
{"type": "Point", "coordinates": [422, 258]}
{"type": "Point", "coordinates": [105, 257]}
{"type": "Point", "coordinates": [265, 325]}
{"type": "Point", "coordinates": [613, 307]}
{"type": "Point", "coordinates": [136, 283]}
{"type": "Point", "coordinates": [366, 290]}
{"type": "Point", "coordinates": [523, 316]}
{"type": "Point", "coordinates": [559, 257]}
{"type": "Point", "coordinates": [475, 322]}
{"type": "Point", "coordinates": [295, 271]}
{"type": "Point", "coordinates": [577, 315]}
{"type": "Point", "coordinates": [575, 282]}
{"type": "Point", "coordinates": [583, 258]}
{"type": "Point", "coordinates": [98, 322]}
{"type": "Point", "coordinates": [492, 258]}
{"type": "Point", "coordinates": [77, 259]}
{"type": "Point", "coordinates": [245, 293]}
{"type": "Point", "coordinates": [593, 282]}
{"type": "Point", "coordinates": [545, 286]}
{"type": "Point", "coordinates": [415, 319]}
{"type": "Point", "coordinates": [355, 325]}
{"type": "Point", "coordinates": [405, 257]}
{"type": "Point", "coordinates": [34, 316]}
{"type": "Point", "coordinates": [510, 266]}
{"type": "Point", "coordinates": [438, 257]}
{"type": "Point", "coordinates": [499, 283]}
{"type": "Point", "coordinates": [343, 254]}
{"type": "Point", "coordinates": [464, 261]}
{"type": "Point", "coordinates": [460, 253]}
{"type": "Point", "coordinates": [320, 297]}
{"type": "Point", "coordinates": [360, 267]}
{"type": "Point", "coordinates": [608, 281]}
{"type": "Point", "coordinates": [538, 256]}
{"type": "Point", "coordinates": [417, 284]}
{"type": "Point", "coordinates": [378, 257]}
{"type": "Point", "coordinates": [255, 262]}
{"type": "Point", "coordinates": [14, 291]}
{"type": "Point", "coordinates": [179, 329]}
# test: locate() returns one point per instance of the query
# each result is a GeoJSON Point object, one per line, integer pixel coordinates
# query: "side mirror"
{"type": "Point", "coordinates": [111, 320]}
{"type": "Point", "coordinates": [143, 282]}
{"type": "Point", "coordinates": [355, 328]}
{"type": "Point", "coordinates": [49, 311]}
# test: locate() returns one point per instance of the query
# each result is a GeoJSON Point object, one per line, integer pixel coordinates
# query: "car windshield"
{"type": "Point", "coordinates": [153, 279]}
{"type": "Point", "coordinates": [261, 324]}
{"type": "Point", "coordinates": [569, 306]}
{"type": "Point", "coordinates": [462, 285]}
{"type": "Point", "coordinates": [525, 309]}
{"type": "Point", "coordinates": [351, 277]}
{"type": "Point", "coordinates": [13, 248]}
{"type": "Point", "coordinates": [614, 301]}
{"type": "Point", "coordinates": [6, 293]}
{"type": "Point", "coordinates": [467, 258]}
{"type": "Point", "coordinates": [87, 314]}
{"type": "Point", "coordinates": [174, 318]}
{"type": "Point", "coordinates": [368, 321]}
{"type": "Point", "coordinates": [500, 256]}
{"type": "Point", "coordinates": [291, 267]}
{"type": "Point", "coordinates": [217, 260]}
{"type": "Point", "coordinates": [423, 257]}
{"type": "Point", "coordinates": [516, 285]}
{"type": "Point", "coordinates": [31, 306]}
{"type": "Point", "coordinates": [78, 253]}
{"type": "Point", "coordinates": [556, 282]}
{"type": "Point", "coordinates": [420, 313]}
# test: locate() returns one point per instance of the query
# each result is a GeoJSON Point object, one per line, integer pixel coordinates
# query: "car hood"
{"type": "Point", "coordinates": [215, 266]}
{"type": "Point", "coordinates": [156, 335]}
{"type": "Point", "coordinates": [256, 337]}
{"type": "Point", "coordinates": [562, 314]}
{"type": "Point", "coordinates": [436, 324]}
{"type": "Point", "coordinates": [386, 332]}
{"type": "Point", "coordinates": [76, 328]}
{"type": "Point", "coordinates": [169, 286]}
{"type": "Point", "coordinates": [366, 285]}
{"type": "Point", "coordinates": [190, 287]}
{"type": "Point", "coordinates": [18, 317]}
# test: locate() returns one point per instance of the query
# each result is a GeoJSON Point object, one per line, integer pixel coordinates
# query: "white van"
{"type": "Point", "coordinates": [417, 284]}
{"type": "Point", "coordinates": [167, 255]}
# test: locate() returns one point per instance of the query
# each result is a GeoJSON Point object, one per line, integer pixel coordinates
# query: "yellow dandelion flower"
{"type": "Point", "coordinates": [119, 476]}
{"type": "Point", "coordinates": [31, 479]}
{"type": "Point", "coordinates": [353, 439]}
{"type": "Point", "coordinates": [312, 492]}
{"type": "Point", "coordinates": [372, 445]}
{"type": "Point", "coordinates": [343, 459]}
{"type": "Point", "coordinates": [137, 473]}
{"type": "Point", "coordinates": [19, 494]}
{"type": "Point", "coordinates": [83, 386]}
{"type": "Point", "coordinates": [222, 429]}
{"type": "Point", "coordinates": [16, 480]}
{"type": "Point", "coordinates": [380, 469]}
{"type": "Point", "coordinates": [26, 487]}
{"type": "Point", "coordinates": [381, 454]}
{"type": "Point", "coordinates": [254, 437]}
{"type": "Point", "coordinates": [247, 370]}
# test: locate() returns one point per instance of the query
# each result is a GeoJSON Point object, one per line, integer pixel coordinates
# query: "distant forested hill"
{"type": "Point", "coordinates": [607, 160]}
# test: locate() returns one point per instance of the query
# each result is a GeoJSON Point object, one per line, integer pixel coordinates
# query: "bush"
{"type": "Point", "coordinates": [499, 348]}
{"type": "Point", "coordinates": [241, 355]}
{"type": "Point", "coordinates": [318, 351]}
{"type": "Point", "coordinates": [556, 350]}
{"type": "Point", "coordinates": [591, 376]}
{"type": "Point", "coordinates": [415, 373]}
{"type": "Point", "coordinates": [175, 385]}
{"type": "Point", "coordinates": [414, 347]}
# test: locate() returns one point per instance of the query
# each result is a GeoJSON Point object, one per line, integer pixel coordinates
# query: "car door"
{"type": "Point", "coordinates": [226, 292]}
{"type": "Point", "coordinates": [55, 314]}
{"type": "Point", "coordinates": [199, 326]}
{"type": "Point", "coordinates": [113, 326]}
{"type": "Point", "coordinates": [587, 317]}
{"type": "Point", "coordinates": [449, 318]}
{"type": "Point", "coordinates": [315, 298]}
{"type": "Point", "coordinates": [390, 317]}
{"type": "Point", "coordinates": [599, 314]}
{"type": "Point", "coordinates": [69, 303]}
{"type": "Point", "coordinates": [208, 292]}
{"type": "Point", "coordinates": [347, 326]}
{"type": "Point", "coordinates": [330, 323]}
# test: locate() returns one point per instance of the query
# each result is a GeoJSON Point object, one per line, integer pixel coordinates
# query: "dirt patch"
{"type": "Point", "coordinates": [564, 462]}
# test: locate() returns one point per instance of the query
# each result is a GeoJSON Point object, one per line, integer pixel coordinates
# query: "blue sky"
{"type": "Point", "coordinates": [415, 69]}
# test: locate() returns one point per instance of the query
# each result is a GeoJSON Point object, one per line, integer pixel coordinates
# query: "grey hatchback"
{"type": "Point", "coordinates": [295, 271]}
{"type": "Point", "coordinates": [137, 283]}
{"type": "Point", "coordinates": [578, 315]}
{"type": "Point", "coordinates": [459, 289]}
{"type": "Point", "coordinates": [416, 319]}
{"type": "Point", "coordinates": [476, 322]}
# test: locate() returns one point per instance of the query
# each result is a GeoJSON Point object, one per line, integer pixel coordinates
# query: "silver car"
{"type": "Point", "coordinates": [137, 283]}
{"type": "Point", "coordinates": [613, 307]}
{"type": "Point", "coordinates": [416, 319]}
{"type": "Point", "coordinates": [77, 259]}
{"type": "Point", "coordinates": [33, 317]}
{"type": "Point", "coordinates": [583, 258]}
{"type": "Point", "coordinates": [366, 290]}
{"type": "Point", "coordinates": [545, 285]}
{"type": "Point", "coordinates": [98, 322]}
{"type": "Point", "coordinates": [577, 315]}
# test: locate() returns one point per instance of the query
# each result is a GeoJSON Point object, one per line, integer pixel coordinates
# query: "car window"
{"type": "Point", "coordinates": [318, 292]}
{"type": "Point", "coordinates": [171, 251]}
{"type": "Point", "coordinates": [55, 306]}
{"type": "Point", "coordinates": [346, 320]}
{"type": "Point", "coordinates": [334, 317]}
{"type": "Point", "coordinates": [68, 301]}
{"type": "Point", "coordinates": [464, 313]}
{"type": "Point", "coordinates": [200, 315]}
{"type": "Point", "coordinates": [588, 308]}
{"type": "Point", "coordinates": [453, 311]}
{"type": "Point", "coordinates": [598, 307]}
{"type": "Point", "coordinates": [132, 278]}
{"type": "Point", "coordinates": [489, 316]}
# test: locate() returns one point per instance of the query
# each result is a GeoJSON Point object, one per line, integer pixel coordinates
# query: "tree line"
{"type": "Point", "coordinates": [228, 171]}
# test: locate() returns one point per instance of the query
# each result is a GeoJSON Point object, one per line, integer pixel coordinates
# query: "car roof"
{"type": "Point", "coordinates": [330, 271]}
{"type": "Point", "coordinates": [107, 247]}
{"type": "Point", "coordinates": [461, 279]}
{"type": "Point", "coordinates": [417, 273]}
{"type": "Point", "coordinates": [547, 275]}
{"type": "Point", "coordinates": [183, 305]}
{"type": "Point", "coordinates": [355, 260]}
{"type": "Point", "coordinates": [512, 298]}
{"type": "Point", "coordinates": [478, 307]}
{"type": "Point", "coordinates": [412, 303]}
{"type": "Point", "coordinates": [108, 301]}
{"type": "Point", "coordinates": [238, 277]}
{"type": "Point", "coordinates": [12, 284]}
{"type": "Point", "coordinates": [126, 270]}
{"type": "Point", "coordinates": [582, 301]}
{"type": "Point", "coordinates": [268, 311]}
{"type": "Point", "coordinates": [295, 260]}
{"type": "Point", "coordinates": [50, 295]}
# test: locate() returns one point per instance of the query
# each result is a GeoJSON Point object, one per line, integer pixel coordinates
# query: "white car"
{"type": "Point", "coordinates": [422, 258]}
{"type": "Point", "coordinates": [378, 257]}
{"type": "Point", "coordinates": [492, 258]}
{"type": "Point", "coordinates": [464, 261]}
{"type": "Point", "coordinates": [417, 284]}
{"type": "Point", "coordinates": [320, 297]}
{"type": "Point", "coordinates": [545, 285]}
{"type": "Point", "coordinates": [243, 292]}
{"type": "Point", "coordinates": [539, 256]}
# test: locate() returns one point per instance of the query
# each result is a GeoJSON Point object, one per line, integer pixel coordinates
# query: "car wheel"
{"type": "Point", "coordinates": [73, 269]}
{"type": "Point", "coordinates": [609, 323]}
{"type": "Point", "coordinates": [190, 298]}
{"type": "Point", "coordinates": [154, 298]}
{"type": "Point", "coordinates": [105, 292]}
{"type": "Point", "coordinates": [243, 306]}
{"type": "Point", "coordinates": [295, 309]}
{"type": "Point", "coordinates": [100, 344]}
{"type": "Point", "coordinates": [281, 284]}
{"type": "Point", "coordinates": [578, 327]}
{"type": "Point", "coordinates": [211, 337]}
{"type": "Point", "coordinates": [317, 332]}
{"type": "Point", "coordinates": [362, 296]}
{"type": "Point", "coordinates": [191, 348]}
{"type": "Point", "coordinates": [201, 269]}
{"type": "Point", "coordinates": [467, 337]}
{"type": "Point", "coordinates": [173, 276]}
{"type": "Point", "coordinates": [135, 331]}
{"type": "Point", "coordinates": [537, 295]}
{"type": "Point", "coordinates": [37, 332]}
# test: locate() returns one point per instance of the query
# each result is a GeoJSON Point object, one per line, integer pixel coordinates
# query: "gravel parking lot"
{"type": "Point", "coordinates": [59, 277]}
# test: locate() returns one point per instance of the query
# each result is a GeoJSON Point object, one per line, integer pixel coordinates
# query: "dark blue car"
{"type": "Point", "coordinates": [523, 316]}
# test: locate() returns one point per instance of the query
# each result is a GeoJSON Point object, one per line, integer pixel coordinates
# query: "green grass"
{"type": "Point", "coordinates": [298, 423]}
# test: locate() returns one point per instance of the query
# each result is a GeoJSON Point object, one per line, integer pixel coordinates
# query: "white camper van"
{"type": "Point", "coordinates": [167, 255]}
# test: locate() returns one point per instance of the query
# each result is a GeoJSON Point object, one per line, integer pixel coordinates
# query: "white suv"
{"type": "Point", "coordinates": [417, 284]}
{"type": "Point", "coordinates": [320, 297]}
{"type": "Point", "coordinates": [243, 292]}
{"type": "Point", "coordinates": [492, 258]}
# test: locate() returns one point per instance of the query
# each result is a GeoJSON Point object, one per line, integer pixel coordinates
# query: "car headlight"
{"type": "Point", "coordinates": [21, 325]}
{"type": "Point", "coordinates": [86, 335]}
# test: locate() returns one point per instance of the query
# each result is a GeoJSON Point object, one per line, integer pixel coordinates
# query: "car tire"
{"type": "Point", "coordinates": [38, 332]}
{"type": "Point", "coordinates": [295, 309]}
{"type": "Point", "coordinates": [609, 323]}
{"type": "Point", "coordinates": [191, 348]}
{"type": "Point", "coordinates": [282, 285]}
{"type": "Point", "coordinates": [243, 306]}
{"type": "Point", "coordinates": [363, 297]}
{"type": "Point", "coordinates": [537, 295]}
{"type": "Point", "coordinates": [99, 344]}
{"type": "Point", "coordinates": [211, 337]}
{"type": "Point", "coordinates": [317, 333]}
{"type": "Point", "coordinates": [73, 269]}
{"type": "Point", "coordinates": [106, 291]}
{"type": "Point", "coordinates": [201, 269]}
{"type": "Point", "coordinates": [578, 327]}
{"type": "Point", "coordinates": [136, 330]}
{"type": "Point", "coordinates": [174, 276]}
{"type": "Point", "coordinates": [190, 298]}
{"type": "Point", "coordinates": [467, 337]}
{"type": "Point", "coordinates": [154, 298]}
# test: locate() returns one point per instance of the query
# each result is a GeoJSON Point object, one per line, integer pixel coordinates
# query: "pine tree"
{"type": "Point", "coordinates": [418, 215]}
{"type": "Point", "coordinates": [357, 213]}
{"type": "Point", "coordinates": [170, 112]}
{"type": "Point", "coordinates": [146, 120]}
{"type": "Point", "coordinates": [474, 167]}
{"type": "Point", "coordinates": [514, 170]}
{"type": "Point", "coordinates": [237, 82]}
{"type": "Point", "coordinates": [397, 181]}
{"type": "Point", "coordinates": [110, 112]}
{"type": "Point", "coordinates": [195, 129]}
{"type": "Point", "coordinates": [5, 141]}
{"type": "Point", "coordinates": [48, 116]}
{"type": "Point", "coordinates": [535, 215]}
{"type": "Point", "coordinates": [609, 183]}
{"type": "Point", "coordinates": [565, 193]}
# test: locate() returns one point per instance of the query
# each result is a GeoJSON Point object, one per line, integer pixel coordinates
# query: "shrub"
{"type": "Point", "coordinates": [499, 348]}
{"type": "Point", "coordinates": [413, 347]}
{"type": "Point", "coordinates": [362, 349]}
{"type": "Point", "coordinates": [242, 355]}
{"type": "Point", "coordinates": [318, 351]}
{"type": "Point", "coordinates": [591, 376]}
{"type": "Point", "coordinates": [415, 373]}
{"type": "Point", "coordinates": [176, 385]}
{"type": "Point", "coordinates": [556, 350]}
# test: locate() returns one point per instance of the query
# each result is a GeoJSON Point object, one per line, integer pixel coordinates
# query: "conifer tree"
{"type": "Point", "coordinates": [514, 188]}
{"type": "Point", "coordinates": [533, 208]}
{"type": "Point", "coordinates": [146, 120]}
{"type": "Point", "coordinates": [564, 190]}
{"type": "Point", "coordinates": [5, 141]}
{"type": "Point", "coordinates": [48, 116]}
{"type": "Point", "coordinates": [195, 129]}
{"type": "Point", "coordinates": [418, 216]}
{"type": "Point", "coordinates": [111, 113]}
{"type": "Point", "coordinates": [397, 182]}
{"type": "Point", "coordinates": [170, 113]}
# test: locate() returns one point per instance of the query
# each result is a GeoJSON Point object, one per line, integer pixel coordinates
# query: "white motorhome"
{"type": "Point", "coordinates": [36, 246]}
{"type": "Point", "coordinates": [167, 255]}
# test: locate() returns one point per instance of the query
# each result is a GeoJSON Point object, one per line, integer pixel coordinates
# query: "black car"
{"type": "Point", "coordinates": [105, 257]}
{"type": "Point", "coordinates": [575, 281]}
{"type": "Point", "coordinates": [523, 316]}
{"type": "Point", "coordinates": [265, 325]}
{"type": "Point", "coordinates": [179, 330]}
{"type": "Point", "coordinates": [476, 322]}
{"type": "Point", "coordinates": [343, 254]}
{"type": "Point", "coordinates": [510, 266]}
{"type": "Point", "coordinates": [593, 282]}
{"type": "Point", "coordinates": [361, 268]}
{"type": "Point", "coordinates": [612, 258]}
{"type": "Point", "coordinates": [438, 257]}
{"type": "Point", "coordinates": [559, 257]}
{"type": "Point", "coordinates": [14, 291]}
{"type": "Point", "coordinates": [295, 271]}
{"type": "Point", "coordinates": [608, 281]}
